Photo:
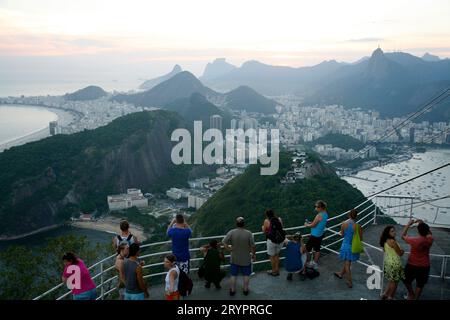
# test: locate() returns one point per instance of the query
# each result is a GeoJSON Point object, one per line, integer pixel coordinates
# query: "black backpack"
{"type": "Point", "coordinates": [311, 273]}
{"type": "Point", "coordinates": [184, 284]}
{"type": "Point", "coordinates": [276, 232]}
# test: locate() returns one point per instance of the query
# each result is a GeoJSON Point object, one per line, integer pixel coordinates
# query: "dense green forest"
{"type": "Point", "coordinates": [338, 140]}
{"type": "Point", "coordinates": [45, 182]}
{"type": "Point", "coordinates": [249, 194]}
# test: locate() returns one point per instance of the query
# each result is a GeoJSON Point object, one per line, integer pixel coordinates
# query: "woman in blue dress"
{"type": "Point", "coordinates": [348, 228]}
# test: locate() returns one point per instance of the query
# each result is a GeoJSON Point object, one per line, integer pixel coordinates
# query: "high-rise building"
{"type": "Point", "coordinates": [234, 124]}
{"type": "Point", "coordinates": [412, 135]}
{"type": "Point", "coordinates": [53, 125]}
{"type": "Point", "coordinates": [215, 121]}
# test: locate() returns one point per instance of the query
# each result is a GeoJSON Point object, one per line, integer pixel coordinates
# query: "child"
{"type": "Point", "coordinates": [294, 250]}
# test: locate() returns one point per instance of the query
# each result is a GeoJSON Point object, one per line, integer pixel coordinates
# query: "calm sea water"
{"type": "Point", "coordinates": [17, 121]}
{"type": "Point", "coordinates": [40, 240]}
{"type": "Point", "coordinates": [432, 186]}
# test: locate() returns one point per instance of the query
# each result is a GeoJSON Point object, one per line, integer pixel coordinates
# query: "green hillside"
{"type": "Point", "coordinates": [45, 182]}
{"type": "Point", "coordinates": [249, 194]}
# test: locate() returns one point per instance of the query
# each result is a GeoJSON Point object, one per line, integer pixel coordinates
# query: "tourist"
{"type": "Point", "coordinates": [241, 243]}
{"type": "Point", "coordinates": [211, 264]}
{"type": "Point", "coordinates": [125, 235]}
{"type": "Point", "coordinates": [172, 277]}
{"type": "Point", "coordinates": [393, 269]}
{"type": "Point", "coordinates": [348, 229]}
{"type": "Point", "coordinates": [275, 236]}
{"type": "Point", "coordinates": [418, 266]}
{"type": "Point", "coordinates": [122, 253]}
{"type": "Point", "coordinates": [317, 231]}
{"type": "Point", "coordinates": [135, 287]}
{"type": "Point", "coordinates": [180, 232]}
{"type": "Point", "coordinates": [77, 278]}
{"type": "Point", "coordinates": [294, 250]}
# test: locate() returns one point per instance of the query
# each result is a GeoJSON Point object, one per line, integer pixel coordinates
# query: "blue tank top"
{"type": "Point", "coordinates": [293, 260]}
{"type": "Point", "coordinates": [319, 230]}
{"type": "Point", "coordinates": [348, 233]}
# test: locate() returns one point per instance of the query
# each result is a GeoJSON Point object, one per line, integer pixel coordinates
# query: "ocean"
{"type": "Point", "coordinates": [40, 239]}
{"type": "Point", "coordinates": [432, 186]}
{"type": "Point", "coordinates": [17, 122]}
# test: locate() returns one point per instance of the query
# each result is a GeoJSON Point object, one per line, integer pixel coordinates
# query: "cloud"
{"type": "Point", "coordinates": [85, 42]}
{"type": "Point", "coordinates": [368, 39]}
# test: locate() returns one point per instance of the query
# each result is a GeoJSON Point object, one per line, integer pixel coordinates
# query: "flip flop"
{"type": "Point", "coordinates": [337, 275]}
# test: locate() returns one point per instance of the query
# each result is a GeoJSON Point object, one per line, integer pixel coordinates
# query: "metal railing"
{"type": "Point", "coordinates": [369, 211]}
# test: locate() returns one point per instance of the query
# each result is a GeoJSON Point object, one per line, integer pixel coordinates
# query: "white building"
{"type": "Point", "coordinates": [133, 198]}
{"type": "Point", "coordinates": [215, 121]}
{"type": "Point", "coordinates": [175, 193]}
{"type": "Point", "coordinates": [198, 183]}
{"type": "Point", "coordinates": [197, 200]}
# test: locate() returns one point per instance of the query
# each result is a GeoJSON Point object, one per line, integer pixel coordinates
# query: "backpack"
{"type": "Point", "coordinates": [184, 284]}
{"type": "Point", "coordinates": [128, 239]}
{"type": "Point", "coordinates": [276, 233]}
{"type": "Point", "coordinates": [311, 273]}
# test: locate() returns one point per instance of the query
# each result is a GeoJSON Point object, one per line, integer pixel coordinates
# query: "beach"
{"type": "Point", "coordinates": [110, 225]}
{"type": "Point", "coordinates": [41, 130]}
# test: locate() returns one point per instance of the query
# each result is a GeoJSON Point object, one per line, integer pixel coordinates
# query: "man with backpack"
{"type": "Point", "coordinates": [275, 236]}
{"type": "Point", "coordinates": [124, 236]}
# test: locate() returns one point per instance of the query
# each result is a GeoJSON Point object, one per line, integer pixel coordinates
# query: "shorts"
{"type": "Point", "coordinates": [173, 296]}
{"type": "Point", "coordinates": [183, 265]}
{"type": "Point", "coordinates": [420, 274]}
{"type": "Point", "coordinates": [87, 295]}
{"type": "Point", "coordinates": [134, 296]}
{"type": "Point", "coordinates": [244, 270]}
{"type": "Point", "coordinates": [273, 249]}
{"type": "Point", "coordinates": [314, 243]}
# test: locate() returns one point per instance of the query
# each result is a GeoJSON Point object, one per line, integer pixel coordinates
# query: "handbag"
{"type": "Point", "coordinates": [357, 245]}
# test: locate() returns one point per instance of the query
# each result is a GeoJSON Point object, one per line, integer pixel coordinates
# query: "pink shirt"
{"type": "Point", "coordinates": [85, 284]}
{"type": "Point", "coordinates": [420, 250]}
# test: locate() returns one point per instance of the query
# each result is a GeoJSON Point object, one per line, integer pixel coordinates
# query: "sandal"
{"type": "Point", "coordinates": [349, 284]}
{"type": "Point", "coordinates": [337, 275]}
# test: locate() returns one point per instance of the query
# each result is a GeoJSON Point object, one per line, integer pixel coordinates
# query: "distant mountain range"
{"type": "Point", "coordinates": [216, 69]}
{"type": "Point", "coordinates": [88, 93]}
{"type": "Point", "coordinates": [184, 84]}
{"type": "Point", "coordinates": [394, 83]}
{"type": "Point", "coordinates": [198, 108]}
{"type": "Point", "coordinates": [153, 82]}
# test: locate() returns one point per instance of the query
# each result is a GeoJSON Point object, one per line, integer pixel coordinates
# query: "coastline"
{"type": "Point", "coordinates": [64, 117]}
{"type": "Point", "coordinates": [24, 235]}
{"type": "Point", "coordinates": [110, 225]}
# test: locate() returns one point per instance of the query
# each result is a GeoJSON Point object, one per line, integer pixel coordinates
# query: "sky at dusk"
{"type": "Point", "coordinates": [141, 39]}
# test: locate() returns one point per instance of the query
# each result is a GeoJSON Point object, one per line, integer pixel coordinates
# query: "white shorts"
{"type": "Point", "coordinates": [273, 249]}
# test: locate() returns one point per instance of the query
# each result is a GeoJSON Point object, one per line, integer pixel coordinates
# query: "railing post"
{"type": "Point", "coordinates": [443, 267]}
{"type": "Point", "coordinates": [375, 211]}
{"type": "Point", "coordinates": [382, 278]}
{"type": "Point", "coordinates": [102, 289]}
{"type": "Point", "coordinates": [411, 209]}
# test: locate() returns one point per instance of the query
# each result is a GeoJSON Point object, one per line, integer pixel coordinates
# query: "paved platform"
{"type": "Point", "coordinates": [326, 286]}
